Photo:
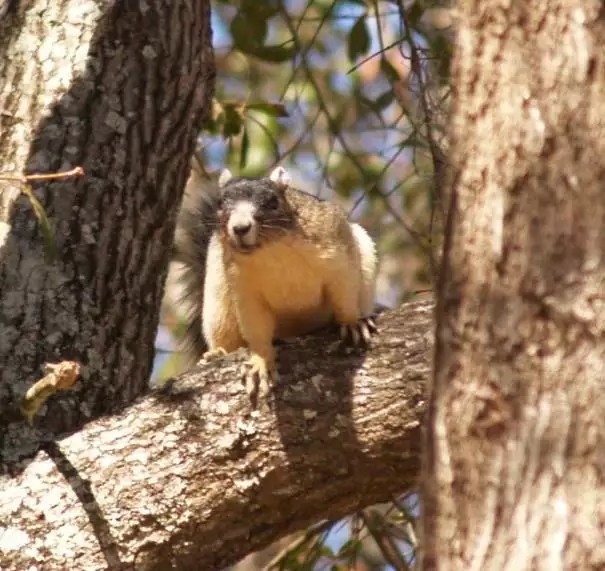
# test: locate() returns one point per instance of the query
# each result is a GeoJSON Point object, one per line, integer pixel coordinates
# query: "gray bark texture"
{"type": "Point", "coordinates": [515, 470]}
{"type": "Point", "coordinates": [191, 477]}
{"type": "Point", "coordinates": [118, 88]}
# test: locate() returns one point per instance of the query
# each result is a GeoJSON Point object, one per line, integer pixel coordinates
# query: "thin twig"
{"type": "Point", "coordinates": [267, 133]}
{"type": "Point", "coordinates": [301, 137]}
{"type": "Point", "coordinates": [299, 542]}
{"type": "Point", "coordinates": [387, 547]}
{"type": "Point", "coordinates": [375, 54]}
{"type": "Point", "coordinates": [302, 54]}
{"type": "Point", "coordinates": [342, 17]}
{"type": "Point", "coordinates": [29, 178]}
{"type": "Point", "coordinates": [436, 153]}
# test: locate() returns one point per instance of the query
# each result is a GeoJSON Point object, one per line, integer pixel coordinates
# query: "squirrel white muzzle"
{"type": "Point", "coordinates": [242, 227]}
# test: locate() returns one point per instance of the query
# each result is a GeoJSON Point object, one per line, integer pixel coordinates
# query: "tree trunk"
{"type": "Point", "coordinates": [515, 472]}
{"type": "Point", "coordinates": [191, 478]}
{"type": "Point", "coordinates": [118, 88]}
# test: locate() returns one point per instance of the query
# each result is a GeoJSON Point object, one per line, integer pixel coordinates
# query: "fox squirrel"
{"type": "Point", "coordinates": [261, 260]}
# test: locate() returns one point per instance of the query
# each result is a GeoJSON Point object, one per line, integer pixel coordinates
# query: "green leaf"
{"type": "Point", "coordinates": [359, 38]}
{"type": "Point", "coordinates": [233, 121]}
{"type": "Point", "coordinates": [210, 126]}
{"type": "Point", "coordinates": [256, 9]}
{"type": "Point", "coordinates": [350, 548]}
{"type": "Point", "coordinates": [384, 100]}
{"type": "Point", "coordinates": [248, 33]}
{"type": "Point", "coordinates": [272, 109]}
{"type": "Point", "coordinates": [377, 105]}
{"type": "Point", "coordinates": [274, 54]}
{"type": "Point", "coordinates": [243, 156]}
{"type": "Point", "coordinates": [414, 13]}
{"type": "Point", "coordinates": [388, 69]}
{"type": "Point", "coordinates": [442, 49]}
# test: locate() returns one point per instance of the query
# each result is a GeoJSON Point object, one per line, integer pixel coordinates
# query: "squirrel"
{"type": "Point", "coordinates": [261, 261]}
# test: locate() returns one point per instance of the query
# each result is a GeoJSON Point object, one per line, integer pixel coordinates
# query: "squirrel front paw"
{"type": "Point", "coordinates": [260, 376]}
{"type": "Point", "coordinates": [213, 354]}
{"type": "Point", "coordinates": [358, 333]}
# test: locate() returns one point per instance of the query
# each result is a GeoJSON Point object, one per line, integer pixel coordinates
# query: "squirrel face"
{"type": "Point", "coordinates": [252, 212]}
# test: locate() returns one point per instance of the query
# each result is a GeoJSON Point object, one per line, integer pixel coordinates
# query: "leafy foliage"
{"type": "Point", "coordinates": [351, 96]}
{"type": "Point", "coordinates": [374, 538]}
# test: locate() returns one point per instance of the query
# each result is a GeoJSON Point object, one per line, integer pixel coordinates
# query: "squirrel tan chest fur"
{"type": "Point", "coordinates": [263, 261]}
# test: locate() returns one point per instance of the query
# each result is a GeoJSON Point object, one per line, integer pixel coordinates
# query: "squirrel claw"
{"type": "Point", "coordinates": [260, 377]}
{"type": "Point", "coordinates": [213, 354]}
{"type": "Point", "coordinates": [358, 333]}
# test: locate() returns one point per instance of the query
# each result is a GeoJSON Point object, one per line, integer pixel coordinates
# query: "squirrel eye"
{"type": "Point", "coordinates": [272, 202]}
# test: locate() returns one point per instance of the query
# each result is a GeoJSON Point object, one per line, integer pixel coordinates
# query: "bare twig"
{"type": "Point", "coordinates": [29, 178]}
{"type": "Point", "coordinates": [298, 542]}
{"type": "Point", "coordinates": [375, 526]}
{"type": "Point", "coordinates": [356, 525]}
{"type": "Point", "coordinates": [302, 54]}
{"type": "Point", "coordinates": [436, 154]}
{"type": "Point", "coordinates": [342, 16]}
{"type": "Point", "coordinates": [25, 182]}
{"type": "Point", "coordinates": [301, 137]}
{"type": "Point", "coordinates": [377, 53]}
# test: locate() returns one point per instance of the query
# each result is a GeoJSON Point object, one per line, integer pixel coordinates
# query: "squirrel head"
{"type": "Point", "coordinates": [253, 212]}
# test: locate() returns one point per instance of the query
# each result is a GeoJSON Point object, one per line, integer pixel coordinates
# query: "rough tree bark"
{"type": "Point", "coordinates": [118, 88]}
{"type": "Point", "coordinates": [516, 467]}
{"type": "Point", "coordinates": [191, 478]}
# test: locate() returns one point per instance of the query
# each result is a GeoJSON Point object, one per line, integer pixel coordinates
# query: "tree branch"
{"type": "Point", "coordinates": [190, 477]}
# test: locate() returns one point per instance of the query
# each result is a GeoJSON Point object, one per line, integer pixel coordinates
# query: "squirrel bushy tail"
{"type": "Point", "coordinates": [196, 221]}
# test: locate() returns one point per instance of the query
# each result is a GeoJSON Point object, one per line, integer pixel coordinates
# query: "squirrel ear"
{"type": "Point", "coordinates": [281, 177]}
{"type": "Point", "coordinates": [225, 177]}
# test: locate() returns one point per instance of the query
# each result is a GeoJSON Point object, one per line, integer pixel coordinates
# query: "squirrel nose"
{"type": "Point", "coordinates": [242, 229]}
